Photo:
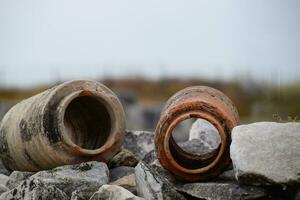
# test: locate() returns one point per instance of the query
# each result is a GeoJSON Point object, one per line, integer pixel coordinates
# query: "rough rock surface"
{"type": "Point", "coordinates": [180, 132]}
{"type": "Point", "coordinates": [34, 189]}
{"type": "Point", "coordinates": [226, 184]}
{"type": "Point", "coordinates": [16, 177]}
{"type": "Point", "coordinates": [123, 158]}
{"type": "Point", "coordinates": [228, 175]}
{"type": "Point", "coordinates": [151, 160]}
{"type": "Point", "coordinates": [195, 146]}
{"type": "Point", "coordinates": [119, 172]}
{"type": "Point", "coordinates": [3, 169]}
{"type": "Point", "coordinates": [3, 189]}
{"type": "Point", "coordinates": [266, 153]}
{"type": "Point", "coordinates": [139, 142]}
{"type": "Point", "coordinates": [76, 195]}
{"type": "Point", "coordinates": [127, 182]}
{"type": "Point", "coordinates": [151, 186]}
{"type": "Point", "coordinates": [113, 192]}
{"type": "Point", "coordinates": [86, 178]}
{"type": "Point", "coordinates": [3, 179]}
{"type": "Point", "coordinates": [206, 132]}
{"type": "Point", "coordinates": [221, 191]}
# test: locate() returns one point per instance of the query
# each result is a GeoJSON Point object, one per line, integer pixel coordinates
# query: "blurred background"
{"type": "Point", "coordinates": [145, 51]}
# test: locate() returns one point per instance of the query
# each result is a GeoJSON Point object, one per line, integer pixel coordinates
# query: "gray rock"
{"type": "Point", "coordinates": [34, 189]}
{"type": "Point", "coordinates": [221, 191]}
{"type": "Point", "coordinates": [16, 177]}
{"type": "Point", "coordinates": [152, 186]}
{"type": "Point", "coordinates": [127, 182]}
{"type": "Point", "coordinates": [195, 146]}
{"type": "Point", "coordinates": [180, 132]}
{"type": "Point", "coordinates": [228, 175]}
{"type": "Point", "coordinates": [86, 178]}
{"type": "Point", "coordinates": [139, 142]}
{"type": "Point", "coordinates": [3, 189]}
{"type": "Point", "coordinates": [123, 158]}
{"type": "Point", "coordinates": [206, 132]}
{"type": "Point", "coordinates": [224, 187]}
{"type": "Point", "coordinates": [3, 169]}
{"type": "Point", "coordinates": [266, 153]}
{"type": "Point", "coordinates": [113, 192]}
{"type": "Point", "coordinates": [3, 179]}
{"type": "Point", "coordinates": [151, 160]}
{"type": "Point", "coordinates": [120, 172]}
{"type": "Point", "coordinates": [76, 195]}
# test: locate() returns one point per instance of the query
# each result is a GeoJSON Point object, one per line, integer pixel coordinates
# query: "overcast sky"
{"type": "Point", "coordinates": [43, 41]}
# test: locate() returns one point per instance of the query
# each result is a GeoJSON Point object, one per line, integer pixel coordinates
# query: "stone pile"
{"type": "Point", "coordinates": [266, 165]}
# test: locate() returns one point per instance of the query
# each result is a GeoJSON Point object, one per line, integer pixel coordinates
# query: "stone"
{"type": "Point", "coordinates": [266, 153]}
{"type": "Point", "coordinates": [127, 182]}
{"type": "Point", "coordinates": [139, 142]}
{"type": "Point", "coordinates": [76, 195]}
{"type": "Point", "coordinates": [113, 192]}
{"type": "Point", "coordinates": [223, 187]}
{"type": "Point", "coordinates": [152, 186]}
{"type": "Point", "coordinates": [3, 179]}
{"type": "Point", "coordinates": [86, 178]}
{"type": "Point", "coordinates": [16, 177]}
{"type": "Point", "coordinates": [3, 169]}
{"type": "Point", "coordinates": [123, 158]}
{"type": "Point", "coordinates": [195, 147]}
{"type": "Point", "coordinates": [151, 160]}
{"type": "Point", "coordinates": [36, 190]}
{"type": "Point", "coordinates": [206, 132]}
{"type": "Point", "coordinates": [228, 175]}
{"type": "Point", "coordinates": [220, 191]}
{"type": "Point", "coordinates": [3, 188]}
{"type": "Point", "coordinates": [119, 172]}
{"type": "Point", "coordinates": [180, 132]}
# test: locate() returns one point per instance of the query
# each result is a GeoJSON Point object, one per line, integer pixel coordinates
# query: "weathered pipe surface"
{"type": "Point", "coordinates": [195, 102]}
{"type": "Point", "coordinates": [74, 122]}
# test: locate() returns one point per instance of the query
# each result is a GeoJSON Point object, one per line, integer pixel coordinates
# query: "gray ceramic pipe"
{"type": "Point", "coordinates": [74, 122]}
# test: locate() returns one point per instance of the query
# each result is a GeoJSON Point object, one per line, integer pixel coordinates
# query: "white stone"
{"type": "Point", "coordinates": [151, 185]}
{"type": "Point", "coordinates": [3, 179]}
{"type": "Point", "coordinates": [127, 182]}
{"type": "Point", "coordinates": [206, 132]}
{"type": "Point", "coordinates": [16, 177]}
{"type": "Point", "coordinates": [34, 189]}
{"type": "Point", "coordinates": [85, 178]}
{"type": "Point", "coordinates": [139, 142]}
{"type": "Point", "coordinates": [266, 153]}
{"type": "Point", "coordinates": [113, 192]}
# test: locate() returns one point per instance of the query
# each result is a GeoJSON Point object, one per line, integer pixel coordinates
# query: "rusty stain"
{"type": "Point", "coordinates": [74, 122]}
{"type": "Point", "coordinates": [195, 102]}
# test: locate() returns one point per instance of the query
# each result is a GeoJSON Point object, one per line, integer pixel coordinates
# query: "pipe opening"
{"type": "Point", "coordinates": [87, 122]}
{"type": "Point", "coordinates": [194, 143]}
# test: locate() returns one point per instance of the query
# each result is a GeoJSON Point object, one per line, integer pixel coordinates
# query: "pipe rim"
{"type": "Point", "coordinates": [197, 102]}
{"type": "Point", "coordinates": [101, 99]}
{"type": "Point", "coordinates": [198, 115]}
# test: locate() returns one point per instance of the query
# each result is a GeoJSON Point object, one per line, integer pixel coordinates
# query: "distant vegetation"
{"type": "Point", "coordinates": [255, 102]}
{"type": "Point", "coordinates": [289, 119]}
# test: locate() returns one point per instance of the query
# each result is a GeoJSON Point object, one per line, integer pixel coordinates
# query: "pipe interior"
{"type": "Point", "coordinates": [194, 143]}
{"type": "Point", "coordinates": [88, 122]}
